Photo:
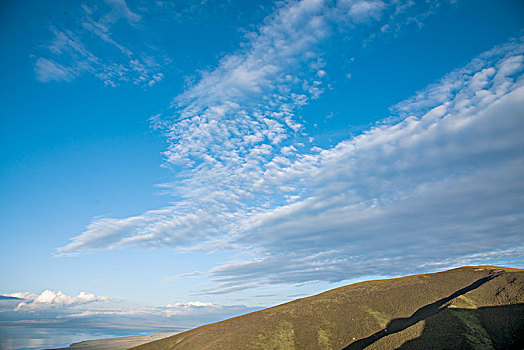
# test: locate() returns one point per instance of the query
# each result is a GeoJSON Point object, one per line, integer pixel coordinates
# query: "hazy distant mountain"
{"type": "Point", "coordinates": [465, 308]}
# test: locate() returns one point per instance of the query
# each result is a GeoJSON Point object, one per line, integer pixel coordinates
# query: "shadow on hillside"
{"type": "Point", "coordinates": [400, 324]}
{"type": "Point", "coordinates": [491, 327]}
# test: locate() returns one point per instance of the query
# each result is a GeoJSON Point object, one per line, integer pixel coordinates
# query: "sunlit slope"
{"type": "Point", "coordinates": [465, 308]}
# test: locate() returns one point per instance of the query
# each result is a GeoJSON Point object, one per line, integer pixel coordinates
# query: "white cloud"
{"type": "Point", "coordinates": [189, 274]}
{"type": "Point", "coordinates": [445, 185]}
{"type": "Point", "coordinates": [47, 70]}
{"type": "Point", "coordinates": [225, 102]}
{"type": "Point", "coordinates": [67, 56]}
{"type": "Point", "coordinates": [21, 295]}
{"type": "Point", "coordinates": [192, 307]}
{"type": "Point", "coordinates": [51, 299]}
{"type": "Point", "coordinates": [445, 167]}
{"type": "Point", "coordinates": [361, 11]}
{"type": "Point", "coordinates": [120, 9]}
{"type": "Point", "coordinates": [55, 309]}
{"type": "Point", "coordinates": [223, 133]}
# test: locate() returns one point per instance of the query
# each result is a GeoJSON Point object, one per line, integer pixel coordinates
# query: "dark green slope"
{"type": "Point", "coordinates": [466, 308]}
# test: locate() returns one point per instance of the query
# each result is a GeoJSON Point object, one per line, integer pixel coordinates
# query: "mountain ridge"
{"type": "Point", "coordinates": [463, 308]}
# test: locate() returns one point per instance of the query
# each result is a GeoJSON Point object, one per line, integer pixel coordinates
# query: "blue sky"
{"type": "Point", "coordinates": [185, 161]}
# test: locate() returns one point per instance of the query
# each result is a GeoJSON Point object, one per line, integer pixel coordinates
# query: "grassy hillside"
{"type": "Point", "coordinates": [466, 308]}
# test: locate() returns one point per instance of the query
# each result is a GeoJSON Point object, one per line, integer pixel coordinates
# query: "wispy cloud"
{"type": "Point", "coordinates": [226, 134]}
{"type": "Point", "coordinates": [229, 129]}
{"type": "Point", "coordinates": [48, 70]}
{"type": "Point", "coordinates": [437, 180]}
{"type": "Point", "coordinates": [194, 274]}
{"type": "Point", "coordinates": [440, 184]}
{"type": "Point", "coordinates": [67, 56]}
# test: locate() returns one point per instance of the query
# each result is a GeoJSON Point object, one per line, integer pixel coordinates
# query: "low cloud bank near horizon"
{"type": "Point", "coordinates": [50, 299]}
{"type": "Point", "coordinates": [441, 181]}
{"type": "Point", "coordinates": [56, 309]}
